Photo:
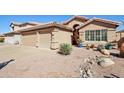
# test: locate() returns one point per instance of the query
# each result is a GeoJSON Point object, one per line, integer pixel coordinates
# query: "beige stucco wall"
{"type": "Point", "coordinates": [60, 36]}
{"type": "Point", "coordinates": [119, 35]}
{"type": "Point", "coordinates": [111, 33]}
{"type": "Point", "coordinates": [47, 38]}
{"type": "Point", "coordinates": [72, 23]}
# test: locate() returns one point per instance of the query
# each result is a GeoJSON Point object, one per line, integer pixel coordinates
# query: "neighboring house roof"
{"type": "Point", "coordinates": [48, 25]}
{"type": "Point", "coordinates": [120, 31]}
{"type": "Point", "coordinates": [21, 24]}
{"type": "Point", "coordinates": [1, 35]}
{"type": "Point", "coordinates": [75, 17]}
{"type": "Point", "coordinates": [99, 20]}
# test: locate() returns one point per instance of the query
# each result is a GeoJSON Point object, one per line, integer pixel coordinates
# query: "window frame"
{"type": "Point", "coordinates": [96, 35]}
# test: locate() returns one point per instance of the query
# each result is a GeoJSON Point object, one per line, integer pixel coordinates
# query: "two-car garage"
{"type": "Point", "coordinates": [37, 39]}
{"type": "Point", "coordinates": [46, 36]}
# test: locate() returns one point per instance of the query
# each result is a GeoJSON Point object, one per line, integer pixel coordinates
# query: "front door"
{"type": "Point", "coordinates": [75, 37]}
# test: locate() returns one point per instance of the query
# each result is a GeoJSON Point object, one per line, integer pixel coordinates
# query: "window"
{"type": "Point", "coordinates": [96, 35]}
{"type": "Point", "coordinates": [104, 35]}
{"type": "Point", "coordinates": [87, 35]}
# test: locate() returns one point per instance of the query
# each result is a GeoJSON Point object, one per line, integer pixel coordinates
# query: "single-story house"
{"type": "Point", "coordinates": [51, 35]}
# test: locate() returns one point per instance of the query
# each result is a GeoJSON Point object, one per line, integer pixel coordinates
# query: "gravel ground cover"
{"type": "Point", "coordinates": [32, 62]}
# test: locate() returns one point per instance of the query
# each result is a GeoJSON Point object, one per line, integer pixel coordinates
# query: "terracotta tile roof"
{"type": "Point", "coordinates": [42, 26]}
{"type": "Point", "coordinates": [100, 20]}
{"type": "Point", "coordinates": [75, 17]}
{"type": "Point", "coordinates": [13, 32]}
{"type": "Point", "coordinates": [38, 25]}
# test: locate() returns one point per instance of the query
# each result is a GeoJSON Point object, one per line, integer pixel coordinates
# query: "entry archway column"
{"type": "Point", "coordinates": [38, 39]}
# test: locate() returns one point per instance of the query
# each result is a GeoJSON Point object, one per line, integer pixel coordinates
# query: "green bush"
{"type": "Point", "coordinates": [108, 46]}
{"type": "Point", "coordinates": [79, 41]}
{"type": "Point", "coordinates": [65, 49]}
{"type": "Point", "coordinates": [100, 47]}
{"type": "Point", "coordinates": [92, 46]}
{"type": "Point", "coordinates": [1, 39]}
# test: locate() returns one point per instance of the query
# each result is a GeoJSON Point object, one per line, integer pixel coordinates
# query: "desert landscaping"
{"type": "Point", "coordinates": [45, 63]}
{"type": "Point", "coordinates": [74, 47]}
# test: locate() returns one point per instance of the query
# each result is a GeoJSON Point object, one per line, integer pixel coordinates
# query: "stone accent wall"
{"type": "Point", "coordinates": [54, 40]}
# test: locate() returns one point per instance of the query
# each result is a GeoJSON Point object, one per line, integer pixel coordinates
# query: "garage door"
{"type": "Point", "coordinates": [45, 40]}
{"type": "Point", "coordinates": [9, 39]}
{"type": "Point", "coordinates": [29, 39]}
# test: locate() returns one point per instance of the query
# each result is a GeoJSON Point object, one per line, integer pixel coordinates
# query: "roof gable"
{"type": "Point", "coordinates": [79, 18]}
{"type": "Point", "coordinates": [107, 22]}
{"type": "Point", "coordinates": [53, 24]}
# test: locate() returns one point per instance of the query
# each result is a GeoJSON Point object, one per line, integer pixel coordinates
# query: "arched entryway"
{"type": "Point", "coordinates": [75, 35]}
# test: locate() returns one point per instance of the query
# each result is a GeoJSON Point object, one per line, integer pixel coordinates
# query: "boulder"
{"type": "Point", "coordinates": [89, 73]}
{"type": "Point", "coordinates": [85, 71]}
{"type": "Point", "coordinates": [105, 52]}
{"type": "Point", "coordinates": [106, 62]}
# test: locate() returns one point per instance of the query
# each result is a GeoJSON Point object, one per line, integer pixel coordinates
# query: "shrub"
{"type": "Point", "coordinates": [92, 46]}
{"type": "Point", "coordinates": [65, 49]}
{"type": "Point", "coordinates": [1, 39]}
{"type": "Point", "coordinates": [108, 46]}
{"type": "Point", "coordinates": [79, 41]}
{"type": "Point", "coordinates": [100, 47]}
{"type": "Point", "coordinates": [87, 47]}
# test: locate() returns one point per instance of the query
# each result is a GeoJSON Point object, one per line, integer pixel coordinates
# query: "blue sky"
{"type": "Point", "coordinates": [5, 20]}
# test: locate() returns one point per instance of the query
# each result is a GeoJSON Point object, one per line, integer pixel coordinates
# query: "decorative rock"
{"type": "Point", "coordinates": [89, 74]}
{"type": "Point", "coordinates": [86, 69]}
{"type": "Point", "coordinates": [105, 52]}
{"type": "Point", "coordinates": [85, 72]}
{"type": "Point", "coordinates": [106, 62]}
